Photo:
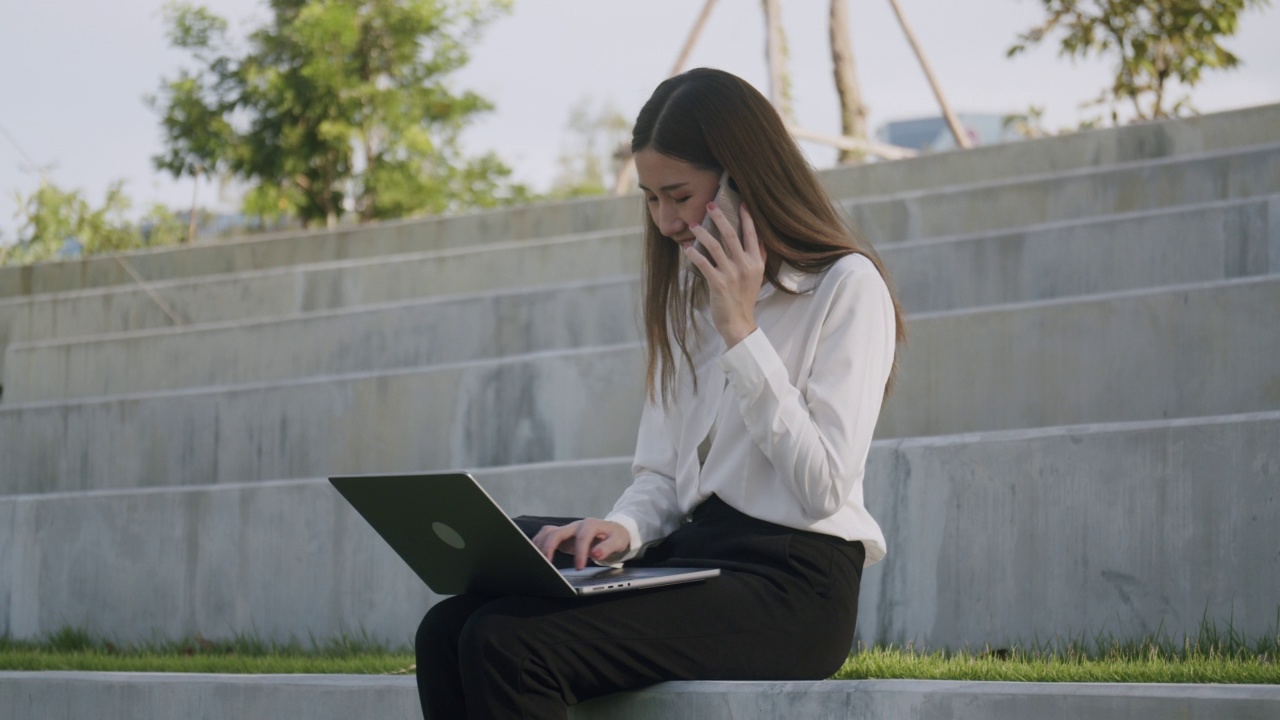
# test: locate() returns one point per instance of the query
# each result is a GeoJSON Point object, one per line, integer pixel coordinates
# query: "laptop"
{"type": "Point", "coordinates": [456, 538]}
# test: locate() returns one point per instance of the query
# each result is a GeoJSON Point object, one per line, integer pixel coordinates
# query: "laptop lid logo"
{"type": "Point", "coordinates": [448, 535]}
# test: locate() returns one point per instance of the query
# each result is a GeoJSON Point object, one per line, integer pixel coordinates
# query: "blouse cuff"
{"type": "Point", "coordinates": [633, 530]}
{"type": "Point", "coordinates": [748, 363]}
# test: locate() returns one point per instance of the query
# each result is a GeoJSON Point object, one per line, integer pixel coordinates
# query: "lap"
{"type": "Point", "coordinates": [742, 625]}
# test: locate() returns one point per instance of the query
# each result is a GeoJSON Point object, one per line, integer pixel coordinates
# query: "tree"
{"type": "Point", "coordinates": [333, 106]}
{"type": "Point", "coordinates": [853, 113]}
{"type": "Point", "coordinates": [53, 221]}
{"type": "Point", "coordinates": [776, 54]}
{"type": "Point", "coordinates": [598, 144]}
{"type": "Point", "coordinates": [1159, 43]}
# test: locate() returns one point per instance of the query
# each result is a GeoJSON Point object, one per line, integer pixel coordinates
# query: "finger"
{"type": "Point", "coordinates": [616, 542]}
{"type": "Point", "coordinates": [585, 539]}
{"type": "Point", "coordinates": [550, 538]}
{"type": "Point", "coordinates": [700, 261]}
{"type": "Point", "coordinates": [709, 243]}
{"type": "Point", "coordinates": [732, 243]}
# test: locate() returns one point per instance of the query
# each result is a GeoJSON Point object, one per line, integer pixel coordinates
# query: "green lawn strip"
{"type": "Point", "coordinates": [899, 664]}
{"type": "Point", "coordinates": [71, 649]}
{"type": "Point", "coordinates": [1208, 656]}
{"type": "Point", "coordinates": [98, 661]}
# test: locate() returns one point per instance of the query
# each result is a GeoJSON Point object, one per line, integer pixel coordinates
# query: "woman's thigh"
{"type": "Point", "coordinates": [738, 626]}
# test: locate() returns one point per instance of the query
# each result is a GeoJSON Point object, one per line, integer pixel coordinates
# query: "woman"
{"type": "Point", "coordinates": [768, 359]}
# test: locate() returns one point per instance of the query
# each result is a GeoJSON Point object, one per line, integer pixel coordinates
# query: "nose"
{"type": "Point", "coordinates": [668, 220]}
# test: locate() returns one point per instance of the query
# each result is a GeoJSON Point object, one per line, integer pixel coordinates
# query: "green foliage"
{"type": "Point", "coordinates": [56, 222]}
{"type": "Point", "coordinates": [50, 217]}
{"type": "Point", "coordinates": [333, 106]}
{"type": "Point", "coordinates": [591, 160]}
{"type": "Point", "coordinates": [1157, 43]}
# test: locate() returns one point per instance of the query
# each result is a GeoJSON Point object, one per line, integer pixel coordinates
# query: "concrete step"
{"type": "Point", "coordinates": [323, 286]}
{"type": "Point", "coordinates": [275, 250]}
{"type": "Point", "coordinates": [1147, 527]}
{"type": "Point", "coordinates": [1127, 187]}
{"type": "Point", "coordinates": [1127, 251]}
{"type": "Point", "coordinates": [1169, 138]}
{"type": "Point", "coordinates": [367, 338]}
{"type": "Point", "coordinates": [1182, 351]}
{"type": "Point", "coordinates": [1092, 148]}
{"type": "Point", "coordinates": [1195, 243]}
{"type": "Point", "coordinates": [529, 408]}
{"type": "Point", "coordinates": [160, 696]}
{"type": "Point", "coordinates": [1149, 185]}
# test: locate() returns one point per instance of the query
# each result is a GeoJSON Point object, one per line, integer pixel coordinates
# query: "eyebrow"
{"type": "Point", "coordinates": [667, 188]}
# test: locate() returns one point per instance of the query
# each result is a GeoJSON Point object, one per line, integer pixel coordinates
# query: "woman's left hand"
{"type": "Point", "coordinates": [734, 273]}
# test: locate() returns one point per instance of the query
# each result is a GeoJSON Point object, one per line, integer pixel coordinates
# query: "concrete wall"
{"type": "Point", "coordinates": [544, 407]}
{"type": "Point", "coordinates": [1022, 535]}
{"type": "Point", "coordinates": [324, 286]}
{"type": "Point", "coordinates": [1201, 349]}
{"type": "Point", "coordinates": [279, 560]}
{"type": "Point", "coordinates": [1085, 256]}
{"type": "Point", "coordinates": [258, 252]}
{"type": "Point", "coordinates": [359, 339]}
{"type": "Point", "coordinates": [885, 219]}
{"type": "Point", "coordinates": [1104, 146]}
{"type": "Point", "coordinates": [159, 696]}
{"type": "Point", "coordinates": [1173, 352]}
{"type": "Point", "coordinates": [1199, 134]}
{"type": "Point", "coordinates": [1070, 195]}
{"type": "Point", "coordinates": [1187, 244]}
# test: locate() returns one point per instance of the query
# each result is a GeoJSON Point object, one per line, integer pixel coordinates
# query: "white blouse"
{"type": "Point", "coordinates": [794, 407]}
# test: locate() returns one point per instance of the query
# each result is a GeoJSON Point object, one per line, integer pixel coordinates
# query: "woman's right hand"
{"type": "Point", "coordinates": [602, 539]}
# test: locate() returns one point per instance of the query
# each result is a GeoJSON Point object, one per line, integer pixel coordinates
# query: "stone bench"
{"type": "Point", "coordinates": [987, 533]}
{"type": "Point", "coordinates": [1189, 244]}
{"type": "Point", "coordinates": [161, 696]}
{"type": "Point", "coordinates": [1181, 351]}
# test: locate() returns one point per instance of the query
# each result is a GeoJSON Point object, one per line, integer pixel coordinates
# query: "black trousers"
{"type": "Point", "coordinates": [783, 608]}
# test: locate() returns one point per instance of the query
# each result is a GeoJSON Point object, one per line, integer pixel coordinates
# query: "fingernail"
{"type": "Point", "coordinates": [711, 205]}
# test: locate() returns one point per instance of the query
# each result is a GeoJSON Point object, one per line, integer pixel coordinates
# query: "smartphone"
{"type": "Point", "coordinates": [729, 201]}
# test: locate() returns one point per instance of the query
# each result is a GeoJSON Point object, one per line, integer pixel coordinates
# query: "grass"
{"type": "Point", "coordinates": [71, 649]}
{"type": "Point", "coordinates": [1209, 656]}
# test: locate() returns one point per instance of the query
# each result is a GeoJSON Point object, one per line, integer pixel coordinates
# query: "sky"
{"type": "Point", "coordinates": [74, 74]}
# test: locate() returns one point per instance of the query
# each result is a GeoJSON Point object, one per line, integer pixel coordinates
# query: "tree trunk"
{"type": "Point", "coordinates": [775, 49]}
{"type": "Point", "coordinates": [953, 122]}
{"type": "Point", "coordinates": [191, 221]}
{"type": "Point", "coordinates": [853, 113]}
{"type": "Point", "coordinates": [628, 169]}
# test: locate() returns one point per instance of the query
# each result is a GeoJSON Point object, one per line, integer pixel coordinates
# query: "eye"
{"type": "Point", "coordinates": [651, 199]}
{"type": "Point", "coordinates": [680, 200]}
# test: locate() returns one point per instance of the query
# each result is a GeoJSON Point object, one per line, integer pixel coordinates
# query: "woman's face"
{"type": "Point", "coordinates": [676, 193]}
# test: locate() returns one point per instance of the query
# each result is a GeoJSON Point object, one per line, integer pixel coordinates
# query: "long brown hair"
{"type": "Point", "coordinates": [716, 121]}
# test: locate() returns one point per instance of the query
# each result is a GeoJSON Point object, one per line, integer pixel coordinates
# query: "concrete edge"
{"type": "Point", "coordinates": [483, 248]}
{"type": "Point", "coordinates": [924, 441]}
{"type": "Point", "coordinates": [427, 302]}
{"type": "Point", "coordinates": [154, 695]}
{"type": "Point", "coordinates": [438, 300]}
{"type": "Point", "coordinates": [1119, 167]}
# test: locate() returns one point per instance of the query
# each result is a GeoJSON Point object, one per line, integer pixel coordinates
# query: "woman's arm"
{"type": "Point", "coordinates": [647, 511]}
{"type": "Point", "coordinates": [818, 440]}
{"type": "Point", "coordinates": [650, 507]}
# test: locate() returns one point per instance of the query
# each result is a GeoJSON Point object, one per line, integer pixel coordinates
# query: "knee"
{"type": "Point", "coordinates": [494, 639]}
{"type": "Point", "coordinates": [440, 627]}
